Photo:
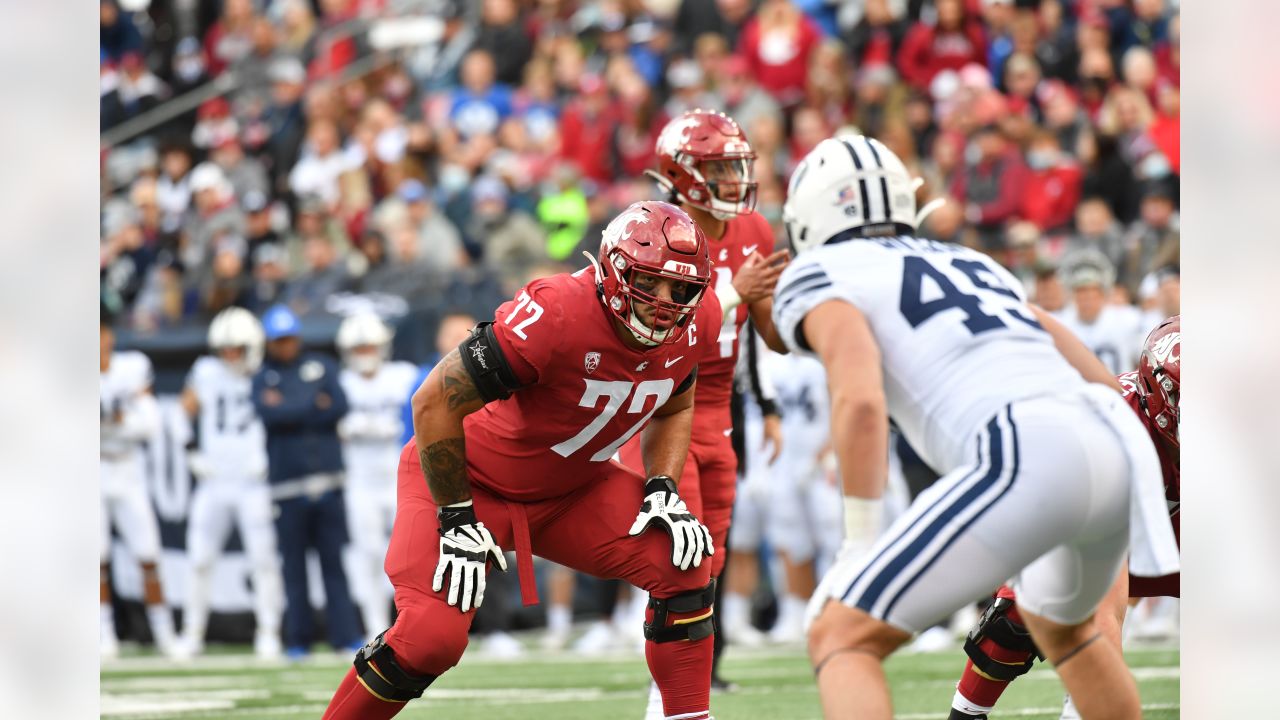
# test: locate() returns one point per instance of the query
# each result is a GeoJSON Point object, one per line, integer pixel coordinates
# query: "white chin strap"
{"type": "Point", "coordinates": [658, 335]}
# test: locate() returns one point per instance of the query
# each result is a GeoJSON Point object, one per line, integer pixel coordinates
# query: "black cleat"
{"type": "Point", "coordinates": [961, 715]}
{"type": "Point", "coordinates": [720, 685]}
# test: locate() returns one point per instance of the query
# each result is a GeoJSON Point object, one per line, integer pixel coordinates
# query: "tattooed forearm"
{"type": "Point", "coordinates": [456, 382]}
{"type": "Point", "coordinates": [445, 464]}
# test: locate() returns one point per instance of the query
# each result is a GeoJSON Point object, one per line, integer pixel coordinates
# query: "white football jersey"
{"type": "Point", "coordinates": [127, 377]}
{"type": "Point", "coordinates": [956, 337]}
{"type": "Point", "coordinates": [1115, 336]}
{"type": "Point", "coordinates": [372, 428]}
{"type": "Point", "coordinates": [801, 385]}
{"type": "Point", "coordinates": [233, 441]}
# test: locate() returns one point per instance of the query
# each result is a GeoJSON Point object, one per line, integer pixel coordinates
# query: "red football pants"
{"type": "Point", "coordinates": [585, 530]}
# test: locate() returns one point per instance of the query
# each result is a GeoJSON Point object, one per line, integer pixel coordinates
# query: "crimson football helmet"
{"type": "Point", "coordinates": [658, 240]}
{"type": "Point", "coordinates": [704, 160]}
{"type": "Point", "coordinates": [1160, 376]}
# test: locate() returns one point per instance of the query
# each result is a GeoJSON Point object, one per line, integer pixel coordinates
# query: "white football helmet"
{"type": "Point", "coordinates": [361, 330]}
{"type": "Point", "coordinates": [849, 183]}
{"type": "Point", "coordinates": [236, 327]}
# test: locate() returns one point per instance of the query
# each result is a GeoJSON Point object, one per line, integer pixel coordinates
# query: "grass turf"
{"type": "Point", "coordinates": [775, 684]}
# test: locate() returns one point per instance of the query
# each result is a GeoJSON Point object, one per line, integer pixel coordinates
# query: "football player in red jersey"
{"type": "Point", "coordinates": [705, 165]}
{"type": "Point", "coordinates": [514, 432]}
{"type": "Point", "coordinates": [999, 648]}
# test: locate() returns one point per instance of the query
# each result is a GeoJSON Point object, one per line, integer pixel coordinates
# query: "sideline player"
{"type": "Point", "coordinates": [1041, 459]}
{"type": "Point", "coordinates": [514, 434]}
{"type": "Point", "coordinates": [370, 432]}
{"type": "Point", "coordinates": [129, 417]}
{"type": "Point", "coordinates": [231, 467]}
{"type": "Point", "coordinates": [705, 165]}
{"type": "Point", "coordinates": [792, 502]}
{"type": "Point", "coordinates": [999, 648]}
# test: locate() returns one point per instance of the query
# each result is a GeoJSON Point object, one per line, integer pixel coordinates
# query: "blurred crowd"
{"type": "Point", "coordinates": [419, 149]}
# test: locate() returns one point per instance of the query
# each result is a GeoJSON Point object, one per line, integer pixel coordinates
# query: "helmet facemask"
{"type": "Point", "coordinates": [724, 184]}
{"type": "Point", "coordinates": [636, 286]}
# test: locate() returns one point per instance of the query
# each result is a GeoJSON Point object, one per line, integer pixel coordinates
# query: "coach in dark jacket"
{"type": "Point", "coordinates": [300, 401]}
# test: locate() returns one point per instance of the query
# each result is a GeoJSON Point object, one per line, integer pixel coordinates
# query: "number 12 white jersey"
{"type": "Point", "coordinates": [956, 338]}
{"type": "Point", "coordinates": [232, 439]}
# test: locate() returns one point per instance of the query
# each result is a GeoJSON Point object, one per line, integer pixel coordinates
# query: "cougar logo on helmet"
{"type": "Point", "coordinates": [620, 229]}
{"type": "Point", "coordinates": [1164, 350]}
{"type": "Point", "coordinates": [676, 134]}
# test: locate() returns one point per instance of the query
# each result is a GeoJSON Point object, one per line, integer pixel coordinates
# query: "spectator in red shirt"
{"type": "Point", "coordinates": [1167, 126]}
{"type": "Point", "coordinates": [586, 130]}
{"type": "Point", "coordinates": [990, 185]}
{"type": "Point", "coordinates": [955, 41]}
{"type": "Point", "coordinates": [808, 128]}
{"type": "Point", "coordinates": [1053, 185]}
{"type": "Point", "coordinates": [777, 43]}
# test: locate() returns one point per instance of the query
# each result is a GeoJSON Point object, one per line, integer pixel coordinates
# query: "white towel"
{"type": "Point", "coordinates": [1153, 551]}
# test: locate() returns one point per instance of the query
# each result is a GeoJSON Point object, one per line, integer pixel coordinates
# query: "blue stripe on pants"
{"type": "Point", "coordinates": [1013, 476]}
{"type": "Point", "coordinates": [946, 496]}
{"type": "Point", "coordinates": [970, 490]}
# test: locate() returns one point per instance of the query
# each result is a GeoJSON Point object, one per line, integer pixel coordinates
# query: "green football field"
{"type": "Point", "coordinates": [774, 684]}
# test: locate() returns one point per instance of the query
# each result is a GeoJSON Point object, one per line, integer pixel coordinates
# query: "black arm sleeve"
{"type": "Point", "coordinates": [768, 406]}
{"type": "Point", "coordinates": [483, 359]}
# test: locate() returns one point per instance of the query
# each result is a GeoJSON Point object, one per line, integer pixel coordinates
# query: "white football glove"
{"type": "Point", "coordinates": [466, 546]}
{"type": "Point", "coordinates": [662, 506]}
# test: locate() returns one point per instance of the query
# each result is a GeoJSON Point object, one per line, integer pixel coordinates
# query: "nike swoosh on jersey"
{"type": "Point", "coordinates": [750, 249]}
{"type": "Point", "coordinates": [669, 363]}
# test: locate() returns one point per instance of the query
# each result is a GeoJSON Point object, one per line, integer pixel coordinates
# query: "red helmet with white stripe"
{"type": "Point", "coordinates": [646, 243]}
{"type": "Point", "coordinates": [1160, 377]}
{"type": "Point", "coordinates": [704, 160]}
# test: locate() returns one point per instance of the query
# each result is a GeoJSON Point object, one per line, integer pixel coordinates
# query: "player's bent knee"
{"type": "Point", "coordinates": [1000, 645]}
{"type": "Point", "coordinates": [686, 616]}
{"type": "Point", "coordinates": [383, 676]}
{"type": "Point", "coordinates": [840, 628]}
{"type": "Point", "coordinates": [427, 643]}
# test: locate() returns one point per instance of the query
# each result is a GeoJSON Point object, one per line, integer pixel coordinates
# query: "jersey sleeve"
{"type": "Point", "coordinates": [803, 286]}
{"type": "Point", "coordinates": [198, 378]}
{"type": "Point", "coordinates": [528, 328]}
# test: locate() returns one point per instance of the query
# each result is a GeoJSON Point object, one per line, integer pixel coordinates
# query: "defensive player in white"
{"type": "Point", "coordinates": [370, 432]}
{"type": "Point", "coordinates": [1047, 473]}
{"type": "Point", "coordinates": [230, 466]}
{"type": "Point", "coordinates": [1111, 331]}
{"type": "Point", "coordinates": [788, 500]}
{"type": "Point", "coordinates": [129, 417]}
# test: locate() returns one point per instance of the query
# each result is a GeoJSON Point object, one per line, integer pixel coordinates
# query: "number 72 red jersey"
{"type": "Point", "coordinates": [586, 391]}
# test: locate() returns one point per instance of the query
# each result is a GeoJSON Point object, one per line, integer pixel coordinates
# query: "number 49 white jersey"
{"type": "Point", "coordinates": [232, 439]}
{"type": "Point", "coordinates": [956, 338]}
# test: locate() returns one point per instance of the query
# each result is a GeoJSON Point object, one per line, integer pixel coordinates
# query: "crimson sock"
{"type": "Point", "coordinates": [982, 692]}
{"type": "Point", "coordinates": [353, 701]}
{"type": "Point", "coordinates": [682, 670]}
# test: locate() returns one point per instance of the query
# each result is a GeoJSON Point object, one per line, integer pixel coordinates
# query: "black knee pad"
{"type": "Point", "coordinates": [996, 625]}
{"type": "Point", "coordinates": [378, 671]}
{"type": "Point", "coordinates": [690, 629]}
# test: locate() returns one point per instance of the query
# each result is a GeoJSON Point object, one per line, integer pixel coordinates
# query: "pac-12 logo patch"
{"type": "Point", "coordinates": [591, 362]}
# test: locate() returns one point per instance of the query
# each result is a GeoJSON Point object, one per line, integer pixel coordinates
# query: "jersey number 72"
{"type": "Point", "coordinates": [615, 393]}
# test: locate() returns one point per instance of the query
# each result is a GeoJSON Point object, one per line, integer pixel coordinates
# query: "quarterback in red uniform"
{"type": "Point", "coordinates": [514, 434]}
{"type": "Point", "coordinates": [999, 648]}
{"type": "Point", "coordinates": [705, 165]}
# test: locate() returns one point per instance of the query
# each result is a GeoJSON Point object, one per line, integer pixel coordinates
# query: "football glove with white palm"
{"type": "Point", "coordinates": [690, 539]}
{"type": "Point", "coordinates": [465, 547]}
